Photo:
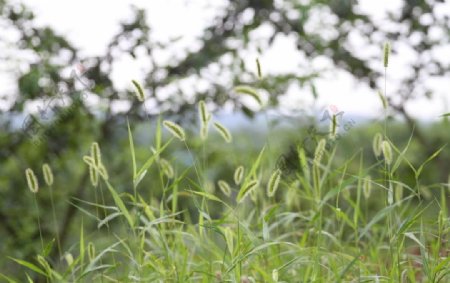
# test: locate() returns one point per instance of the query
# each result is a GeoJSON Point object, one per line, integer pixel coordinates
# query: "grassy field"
{"type": "Point", "coordinates": [201, 205]}
{"type": "Point", "coordinates": [251, 218]}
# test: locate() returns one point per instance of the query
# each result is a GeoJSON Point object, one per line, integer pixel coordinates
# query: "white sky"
{"type": "Point", "coordinates": [90, 26]}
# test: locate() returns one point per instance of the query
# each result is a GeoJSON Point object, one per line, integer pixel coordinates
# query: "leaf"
{"type": "Point", "coordinates": [48, 248]}
{"type": "Point", "coordinates": [414, 238]}
{"type": "Point", "coordinates": [428, 160]}
{"type": "Point", "coordinates": [92, 265]}
{"type": "Point", "coordinates": [158, 135]}
{"type": "Point", "coordinates": [133, 156]}
{"type": "Point", "coordinates": [10, 280]}
{"type": "Point", "coordinates": [108, 218]}
{"type": "Point", "coordinates": [120, 204]}
{"type": "Point", "coordinates": [30, 266]}
{"type": "Point", "coordinates": [209, 196]}
{"type": "Point", "coordinates": [141, 173]}
{"type": "Point", "coordinates": [347, 268]}
{"type": "Point", "coordinates": [382, 213]}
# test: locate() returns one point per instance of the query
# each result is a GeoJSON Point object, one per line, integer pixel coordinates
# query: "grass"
{"type": "Point", "coordinates": [328, 221]}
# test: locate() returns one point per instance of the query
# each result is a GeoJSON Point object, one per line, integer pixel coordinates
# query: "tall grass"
{"type": "Point", "coordinates": [328, 221]}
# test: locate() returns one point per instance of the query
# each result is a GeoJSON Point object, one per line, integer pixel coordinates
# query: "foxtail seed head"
{"type": "Point", "coordinates": [32, 181]}
{"type": "Point", "coordinates": [175, 130]}
{"type": "Point", "coordinates": [139, 92]}
{"type": "Point", "coordinates": [91, 251]}
{"type": "Point", "coordinates": [48, 174]}
{"type": "Point", "coordinates": [398, 192]}
{"type": "Point", "coordinates": [274, 182]}
{"type": "Point", "coordinates": [367, 187]}
{"type": "Point", "coordinates": [246, 189]}
{"type": "Point", "coordinates": [258, 68]}
{"type": "Point", "coordinates": [376, 144]}
{"type": "Point", "coordinates": [167, 169]}
{"type": "Point", "coordinates": [238, 174]}
{"type": "Point", "coordinates": [390, 194]}
{"type": "Point", "coordinates": [249, 91]}
{"type": "Point", "coordinates": [223, 132]}
{"type": "Point", "coordinates": [103, 172]}
{"type": "Point", "coordinates": [320, 150]}
{"type": "Point", "coordinates": [69, 258]}
{"type": "Point", "coordinates": [386, 53]}
{"type": "Point", "coordinates": [224, 187]}
{"type": "Point", "coordinates": [95, 154]}
{"type": "Point", "coordinates": [275, 275]}
{"type": "Point", "coordinates": [205, 116]}
{"type": "Point", "coordinates": [333, 127]}
{"type": "Point", "coordinates": [387, 152]}
{"type": "Point", "coordinates": [93, 175]}
{"type": "Point", "coordinates": [229, 239]}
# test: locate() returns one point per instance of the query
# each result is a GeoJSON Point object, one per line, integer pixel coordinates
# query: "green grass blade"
{"type": "Point", "coordinates": [30, 266]}
{"type": "Point", "coordinates": [120, 204]}
{"type": "Point", "coordinates": [133, 155]}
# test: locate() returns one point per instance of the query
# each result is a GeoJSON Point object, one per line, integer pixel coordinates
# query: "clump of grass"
{"type": "Point", "coordinates": [178, 228]}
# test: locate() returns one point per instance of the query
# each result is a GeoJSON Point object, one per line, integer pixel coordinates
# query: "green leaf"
{"type": "Point", "coordinates": [120, 204]}
{"type": "Point", "coordinates": [210, 197]}
{"type": "Point", "coordinates": [133, 156]}
{"type": "Point", "coordinates": [141, 173]}
{"type": "Point", "coordinates": [48, 248]}
{"type": "Point", "coordinates": [158, 135]}
{"type": "Point", "coordinates": [9, 279]}
{"type": "Point", "coordinates": [30, 266]}
{"type": "Point", "coordinates": [428, 160]}
{"type": "Point", "coordinates": [380, 215]}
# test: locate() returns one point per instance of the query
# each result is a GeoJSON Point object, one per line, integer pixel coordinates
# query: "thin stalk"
{"type": "Point", "coordinates": [58, 242]}
{"type": "Point", "coordinates": [39, 222]}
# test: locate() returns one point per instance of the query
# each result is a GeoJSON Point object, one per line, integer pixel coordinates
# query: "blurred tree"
{"type": "Point", "coordinates": [51, 71]}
